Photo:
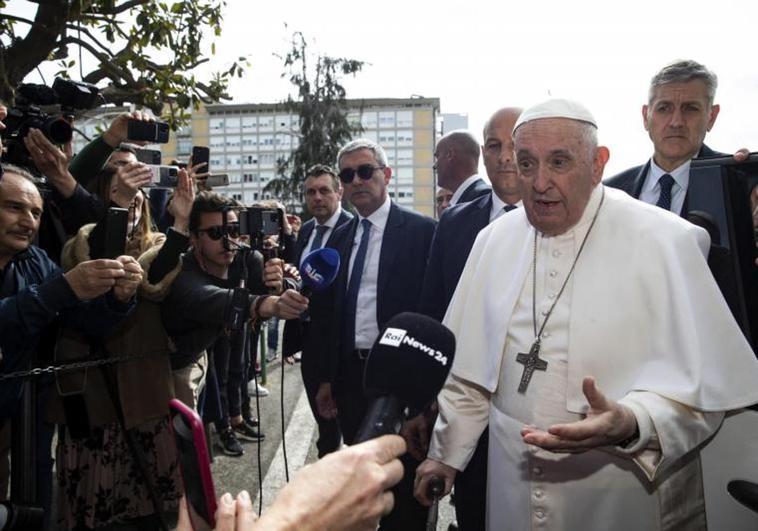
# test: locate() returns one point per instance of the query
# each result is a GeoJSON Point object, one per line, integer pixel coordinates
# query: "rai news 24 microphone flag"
{"type": "Point", "coordinates": [319, 269]}
{"type": "Point", "coordinates": [406, 369]}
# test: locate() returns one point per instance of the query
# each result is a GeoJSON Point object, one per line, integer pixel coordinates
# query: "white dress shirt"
{"type": "Point", "coordinates": [330, 224]}
{"type": "Point", "coordinates": [366, 324]}
{"type": "Point", "coordinates": [498, 205]}
{"type": "Point", "coordinates": [651, 190]}
{"type": "Point", "coordinates": [462, 188]}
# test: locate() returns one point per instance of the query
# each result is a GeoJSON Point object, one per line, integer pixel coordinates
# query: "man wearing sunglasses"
{"type": "Point", "coordinates": [202, 297]}
{"type": "Point", "coordinates": [456, 161]}
{"type": "Point", "coordinates": [383, 254]}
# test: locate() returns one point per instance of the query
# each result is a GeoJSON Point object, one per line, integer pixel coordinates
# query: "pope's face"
{"type": "Point", "coordinates": [677, 119]}
{"type": "Point", "coordinates": [558, 168]}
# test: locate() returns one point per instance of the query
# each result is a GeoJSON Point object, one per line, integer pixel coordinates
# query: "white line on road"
{"type": "Point", "coordinates": [298, 437]}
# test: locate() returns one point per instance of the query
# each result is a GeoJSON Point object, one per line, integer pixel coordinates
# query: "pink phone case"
{"type": "Point", "coordinates": [195, 463]}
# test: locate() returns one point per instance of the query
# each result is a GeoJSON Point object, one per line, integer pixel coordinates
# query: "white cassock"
{"type": "Point", "coordinates": [642, 314]}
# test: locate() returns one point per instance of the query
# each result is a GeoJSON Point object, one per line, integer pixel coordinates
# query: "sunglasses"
{"type": "Point", "coordinates": [219, 231]}
{"type": "Point", "coordinates": [364, 171]}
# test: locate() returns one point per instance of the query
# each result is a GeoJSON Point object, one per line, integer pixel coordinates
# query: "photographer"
{"type": "Point", "coordinates": [202, 298]}
{"type": "Point", "coordinates": [104, 412]}
{"type": "Point", "coordinates": [35, 295]}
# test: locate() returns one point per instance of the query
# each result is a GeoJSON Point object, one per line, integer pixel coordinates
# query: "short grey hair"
{"type": "Point", "coordinates": [464, 141]}
{"type": "Point", "coordinates": [682, 72]}
{"type": "Point", "coordinates": [363, 143]}
{"type": "Point", "coordinates": [21, 172]}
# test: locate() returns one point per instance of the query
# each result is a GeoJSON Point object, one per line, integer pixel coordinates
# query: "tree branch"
{"type": "Point", "coordinates": [89, 34]}
{"type": "Point", "coordinates": [14, 18]}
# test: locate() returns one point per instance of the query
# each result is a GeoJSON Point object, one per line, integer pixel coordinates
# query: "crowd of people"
{"type": "Point", "coordinates": [584, 311]}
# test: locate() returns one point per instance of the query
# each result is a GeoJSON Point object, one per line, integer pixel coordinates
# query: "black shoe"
{"type": "Point", "coordinates": [250, 421]}
{"type": "Point", "coordinates": [229, 443]}
{"type": "Point", "coordinates": [243, 429]}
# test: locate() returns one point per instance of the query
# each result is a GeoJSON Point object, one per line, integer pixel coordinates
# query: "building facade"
{"type": "Point", "coordinates": [247, 140]}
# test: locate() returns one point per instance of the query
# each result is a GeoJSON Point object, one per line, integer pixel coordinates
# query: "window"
{"type": "Point", "coordinates": [233, 161]}
{"type": "Point", "coordinates": [183, 146]}
{"type": "Point", "coordinates": [354, 118]}
{"type": "Point", "coordinates": [368, 120]}
{"type": "Point", "coordinates": [391, 160]}
{"type": "Point", "coordinates": [405, 138]}
{"type": "Point", "coordinates": [249, 197]}
{"type": "Point", "coordinates": [249, 142]}
{"type": "Point", "coordinates": [405, 118]}
{"type": "Point", "coordinates": [216, 125]}
{"type": "Point", "coordinates": [386, 119]}
{"type": "Point", "coordinates": [217, 142]}
{"type": "Point", "coordinates": [249, 159]}
{"type": "Point", "coordinates": [404, 175]}
{"type": "Point", "coordinates": [238, 197]}
{"type": "Point", "coordinates": [387, 138]}
{"type": "Point", "coordinates": [283, 122]}
{"type": "Point", "coordinates": [232, 124]}
{"type": "Point", "coordinates": [266, 141]}
{"type": "Point", "coordinates": [404, 157]}
{"type": "Point", "coordinates": [232, 142]}
{"type": "Point", "coordinates": [234, 178]}
{"type": "Point", "coordinates": [249, 123]}
{"type": "Point", "coordinates": [266, 176]}
{"type": "Point", "coordinates": [216, 163]}
{"type": "Point", "coordinates": [265, 123]}
{"type": "Point", "coordinates": [282, 140]}
{"type": "Point", "coordinates": [267, 160]}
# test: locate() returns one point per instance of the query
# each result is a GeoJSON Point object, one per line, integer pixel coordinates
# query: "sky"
{"type": "Point", "coordinates": [481, 55]}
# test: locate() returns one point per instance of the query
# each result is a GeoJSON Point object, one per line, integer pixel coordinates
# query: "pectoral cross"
{"type": "Point", "coordinates": [531, 362]}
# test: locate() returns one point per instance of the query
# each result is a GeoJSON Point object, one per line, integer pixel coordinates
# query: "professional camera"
{"type": "Point", "coordinates": [42, 107]}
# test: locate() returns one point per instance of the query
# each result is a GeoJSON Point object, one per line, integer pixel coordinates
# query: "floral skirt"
{"type": "Point", "coordinates": [99, 482]}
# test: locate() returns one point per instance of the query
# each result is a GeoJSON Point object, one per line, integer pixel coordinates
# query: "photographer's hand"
{"type": "Point", "coordinates": [288, 306]}
{"type": "Point", "coordinates": [127, 285]}
{"type": "Point", "coordinates": [93, 278]}
{"type": "Point", "coordinates": [129, 178]}
{"type": "Point", "coordinates": [117, 132]}
{"type": "Point", "coordinates": [273, 274]}
{"type": "Point", "coordinates": [180, 205]}
{"type": "Point", "coordinates": [51, 161]}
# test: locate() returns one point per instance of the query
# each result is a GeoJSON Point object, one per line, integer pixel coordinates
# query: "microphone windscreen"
{"type": "Point", "coordinates": [410, 360]}
{"type": "Point", "coordinates": [320, 268]}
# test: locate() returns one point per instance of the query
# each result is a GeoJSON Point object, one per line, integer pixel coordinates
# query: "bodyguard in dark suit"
{"type": "Point", "coordinates": [452, 243]}
{"type": "Point", "coordinates": [679, 113]}
{"type": "Point", "coordinates": [456, 160]}
{"type": "Point", "coordinates": [383, 253]}
{"type": "Point", "coordinates": [323, 193]}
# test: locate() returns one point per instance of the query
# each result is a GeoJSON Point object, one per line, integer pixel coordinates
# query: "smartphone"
{"type": "Point", "coordinates": [149, 156]}
{"type": "Point", "coordinates": [201, 155]}
{"type": "Point", "coordinates": [164, 176]}
{"type": "Point", "coordinates": [219, 179]}
{"type": "Point", "coordinates": [116, 221]}
{"type": "Point", "coordinates": [156, 132]}
{"type": "Point", "coordinates": [195, 466]}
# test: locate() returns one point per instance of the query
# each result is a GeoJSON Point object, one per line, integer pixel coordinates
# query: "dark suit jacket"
{"type": "Point", "coordinates": [632, 180]}
{"type": "Point", "coordinates": [476, 189]}
{"type": "Point", "coordinates": [292, 340]}
{"type": "Point", "coordinates": [402, 262]}
{"type": "Point", "coordinates": [452, 243]}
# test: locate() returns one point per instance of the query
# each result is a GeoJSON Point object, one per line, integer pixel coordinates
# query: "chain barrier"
{"type": "Point", "coordinates": [73, 366]}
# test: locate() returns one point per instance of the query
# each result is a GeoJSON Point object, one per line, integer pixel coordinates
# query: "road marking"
{"type": "Point", "coordinates": [299, 434]}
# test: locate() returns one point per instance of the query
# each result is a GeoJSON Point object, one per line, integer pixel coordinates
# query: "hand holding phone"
{"type": "Point", "coordinates": [195, 466]}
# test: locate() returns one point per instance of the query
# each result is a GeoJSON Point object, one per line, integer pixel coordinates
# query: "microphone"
{"type": "Point", "coordinates": [319, 269]}
{"type": "Point", "coordinates": [406, 368]}
{"type": "Point", "coordinates": [745, 492]}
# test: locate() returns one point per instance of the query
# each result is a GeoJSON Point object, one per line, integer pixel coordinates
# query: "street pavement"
{"type": "Point", "coordinates": [232, 474]}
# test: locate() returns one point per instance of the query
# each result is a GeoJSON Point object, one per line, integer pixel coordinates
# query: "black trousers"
{"type": "Point", "coordinates": [471, 489]}
{"type": "Point", "coordinates": [408, 514]}
{"type": "Point", "coordinates": [329, 434]}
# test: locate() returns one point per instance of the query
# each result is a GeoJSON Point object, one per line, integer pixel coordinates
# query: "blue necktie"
{"type": "Point", "coordinates": [351, 297]}
{"type": "Point", "coordinates": [666, 182]}
{"type": "Point", "coordinates": [318, 240]}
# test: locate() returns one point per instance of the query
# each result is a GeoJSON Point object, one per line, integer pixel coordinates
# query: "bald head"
{"type": "Point", "coordinates": [456, 158]}
{"type": "Point", "coordinates": [499, 159]}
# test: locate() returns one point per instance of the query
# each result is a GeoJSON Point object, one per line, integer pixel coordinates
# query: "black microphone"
{"type": "Point", "coordinates": [745, 492]}
{"type": "Point", "coordinates": [319, 269]}
{"type": "Point", "coordinates": [406, 368]}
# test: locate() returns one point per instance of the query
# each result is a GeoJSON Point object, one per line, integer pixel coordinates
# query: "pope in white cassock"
{"type": "Point", "coordinates": [594, 340]}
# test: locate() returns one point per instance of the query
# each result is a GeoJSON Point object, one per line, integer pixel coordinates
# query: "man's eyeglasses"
{"type": "Point", "coordinates": [364, 171]}
{"type": "Point", "coordinates": [219, 231]}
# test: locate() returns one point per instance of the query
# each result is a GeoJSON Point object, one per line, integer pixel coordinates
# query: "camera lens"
{"type": "Point", "coordinates": [57, 130]}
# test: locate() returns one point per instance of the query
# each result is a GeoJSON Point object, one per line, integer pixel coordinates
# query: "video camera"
{"type": "Point", "coordinates": [254, 223]}
{"type": "Point", "coordinates": [44, 108]}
